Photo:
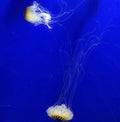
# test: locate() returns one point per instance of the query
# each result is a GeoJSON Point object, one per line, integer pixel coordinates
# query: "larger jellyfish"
{"type": "Point", "coordinates": [62, 109]}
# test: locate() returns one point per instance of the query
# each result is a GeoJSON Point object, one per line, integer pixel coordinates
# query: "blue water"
{"type": "Point", "coordinates": [33, 60]}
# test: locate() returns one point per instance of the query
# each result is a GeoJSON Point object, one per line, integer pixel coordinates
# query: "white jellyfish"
{"type": "Point", "coordinates": [36, 14]}
{"type": "Point", "coordinates": [60, 112]}
{"type": "Point", "coordinates": [62, 109]}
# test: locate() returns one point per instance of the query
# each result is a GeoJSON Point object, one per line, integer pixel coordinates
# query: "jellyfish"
{"type": "Point", "coordinates": [60, 112]}
{"type": "Point", "coordinates": [62, 109]}
{"type": "Point", "coordinates": [36, 14]}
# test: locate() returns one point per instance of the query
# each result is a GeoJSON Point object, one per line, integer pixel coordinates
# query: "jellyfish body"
{"type": "Point", "coordinates": [60, 112]}
{"type": "Point", "coordinates": [36, 15]}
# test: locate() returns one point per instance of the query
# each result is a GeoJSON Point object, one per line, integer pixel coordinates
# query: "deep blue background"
{"type": "Point", "coordinates": [34, 59]}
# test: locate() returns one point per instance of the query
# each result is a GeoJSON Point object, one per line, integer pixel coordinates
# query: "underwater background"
{"type": "Point", "coordinates": [33, 60]}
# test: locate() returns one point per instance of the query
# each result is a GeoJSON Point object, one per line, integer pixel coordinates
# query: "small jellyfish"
{"type": "Point", "coordinates": [36, 15]}
{"type": "Point", "coordinates": [60, 112]}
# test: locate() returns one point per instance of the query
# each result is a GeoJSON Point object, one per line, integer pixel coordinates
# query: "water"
{"type": "Point", "coordinates": [33, 60]}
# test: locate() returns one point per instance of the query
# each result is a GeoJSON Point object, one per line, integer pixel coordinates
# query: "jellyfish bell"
{"type": "Point", "coordinates": [60, 112]}
{"type": "Point", "coordinates": [36, 15]}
